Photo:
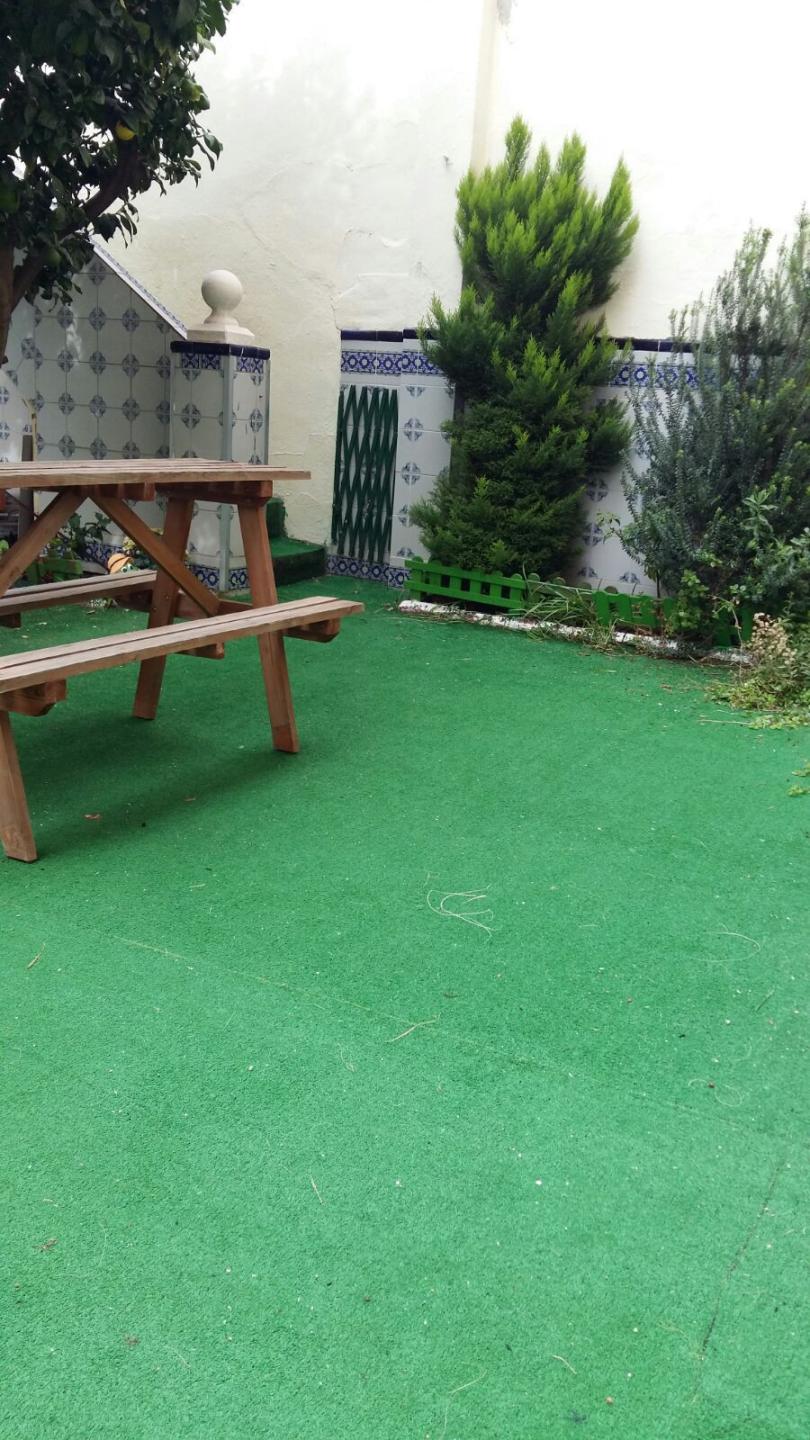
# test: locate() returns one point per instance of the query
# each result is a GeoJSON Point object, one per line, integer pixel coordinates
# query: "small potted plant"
{"type": "Point", "coordinates": [65, 557]}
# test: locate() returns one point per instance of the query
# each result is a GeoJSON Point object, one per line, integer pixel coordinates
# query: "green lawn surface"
{"type": "Point", "coordinates": [446, 1081]}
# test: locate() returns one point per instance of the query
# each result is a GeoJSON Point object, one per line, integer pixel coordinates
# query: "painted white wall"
{"type": "Point", "coordinates": [346, 130]}
{"type": "Point", "coordinates": [706, 101]}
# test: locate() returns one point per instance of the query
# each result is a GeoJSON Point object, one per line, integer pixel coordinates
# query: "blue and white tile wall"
{"type": "Point", "coordinates": [220, 411]}
{"type": "Point", "coordinates": [91, 378]}
{"type": "Point", "coordinates": [425, 402]}
{"type": "Point", "coordinates": [395, 359]}
{"type": "Point", "coordinates": [602, 559]}
{"type": "Point", "coordinates": [95, 372]}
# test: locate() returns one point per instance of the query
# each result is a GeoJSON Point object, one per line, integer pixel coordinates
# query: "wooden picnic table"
{"type": "Point", "coordinates": [32, 682]}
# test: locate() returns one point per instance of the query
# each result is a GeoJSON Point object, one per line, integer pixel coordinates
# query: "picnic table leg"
{"type": "Point", "coordinates": [25, 550]}
{"type": "Point", "coordinates": [15, 823]}
{"type": "Point", "coordinates": [262, 582]}
{"type": "Point", "coordinates": [179, 512]}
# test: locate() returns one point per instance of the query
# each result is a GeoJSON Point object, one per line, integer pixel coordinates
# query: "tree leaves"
{"type": "Point", "coordinates": [78, 71]}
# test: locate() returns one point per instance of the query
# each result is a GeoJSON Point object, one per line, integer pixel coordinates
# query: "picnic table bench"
{"type": "Point", "coordinates": [184, 616]}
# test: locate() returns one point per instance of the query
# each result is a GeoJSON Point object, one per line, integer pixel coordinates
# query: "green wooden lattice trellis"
{"type": "Point", "coordinates": [365, 461]}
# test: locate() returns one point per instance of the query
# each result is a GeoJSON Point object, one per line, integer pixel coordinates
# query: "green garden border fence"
{"type": "Point", "coordinates": [365, 467]}
{"type": "Point", "coordinates": [646, 612]}
{"type": "Point", "coordinates": [428, 579]}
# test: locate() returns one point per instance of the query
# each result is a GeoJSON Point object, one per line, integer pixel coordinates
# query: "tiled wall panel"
{"type": "Point", "coordinates": [425, 403]}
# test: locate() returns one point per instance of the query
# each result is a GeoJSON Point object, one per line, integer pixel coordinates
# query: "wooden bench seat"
{"type": "Point", "coordinates": [33, 681]}
{"type": "Point", "coordinates": [75, 592]}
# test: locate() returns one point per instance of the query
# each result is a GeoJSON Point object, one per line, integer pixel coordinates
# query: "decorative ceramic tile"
{"type": "Point", "coordinates": [207, 438]}
{"type": "Point", "coordinates": [192, 362]}
{"type": "Point", "coordinates": [82, 425]}
{"type": "Point", "coordinates": [409, 473]}
{"type": "Point", "coordinates": [357, 361]}
{"type": "Point", "coordinates": [242, 441]}
{"type": "Point", "coordinates": [639, 371]}
{"type": "Point", "coordinates": [113, 341]}
{"type": "Point", "coordinates": [413, 362]}
{"type": "Point", "coordinates": [251, 364]}
{"type": "Point", "coordinates": [114, 385]}
{"type": "Point", "coordinates": [431, 406]}
{"type": "Point", "coordinates": [82, 383]}
{"type": "Point", "coordinates": [208, 390]}
{"type": "Point", "coordinates": [149, 387]}
{"type": "Point", "coordinates": [412, 428]}
{"type": "Point", "coordinates": [205, 528]}
{"type": "Point", "coordinates": [116, 431]}
{"type": "Point", "coordinates": [405, 540]}
{"type": "Point", "coordinates": [50, 381]}
{"type": "Point", "coordinates": [387, 574]}
{"type": "Point", "coordinates": [113, 296]}
{"type": "Point", "coordinates": [51, 336]}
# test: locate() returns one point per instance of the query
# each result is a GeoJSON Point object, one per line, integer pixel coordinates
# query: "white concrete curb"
{"type": "Point", "coordinates": [652, 643]}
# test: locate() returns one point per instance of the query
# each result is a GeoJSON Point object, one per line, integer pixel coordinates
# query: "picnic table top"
{"type": "Point", "coordinates": [87, 474]}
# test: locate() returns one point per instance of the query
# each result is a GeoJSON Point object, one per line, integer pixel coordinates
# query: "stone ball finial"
{"type": "Point", "coordinates": [222, 291]}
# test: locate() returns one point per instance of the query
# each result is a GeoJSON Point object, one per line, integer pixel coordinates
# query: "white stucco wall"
{"type": "Point", "coordinates": [706, 101]}
{"type": "Point", "coordinates": [347, 128]}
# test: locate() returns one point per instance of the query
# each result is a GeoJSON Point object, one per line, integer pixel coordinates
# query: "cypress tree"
{"type": "Point", "coordinates": [539, 250]}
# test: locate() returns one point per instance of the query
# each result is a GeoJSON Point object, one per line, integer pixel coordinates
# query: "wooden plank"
{"type": "Point", "coordinates": [261, 491]}
{"type": "Point", "coordinates": [75, 592]}
{"type": "Point", "coordinates": [164, 602]}
{"type": "Point", "coordinates": [206, 652]}
{"type": "Point", "coordinates": [15, 823]}
{"type": "Point", "coordinates": [157, 549]}
{"type": "Point", "coordinates": [34, 699]}
{"type": "Point", "coordinates": [25, 550]}
{"type": "Point", "coordinates": [103, 652]}
{"type": "Point", "coordinates": [318, 631]}
{"type": "Point", "coordinates": [291, 612]}
{"type": "Point", "coordinates": [262, 582]}
{"type": "Point", "coordinates": [321, 632]}
{"type": "Point", "coordinates": [62, 474]}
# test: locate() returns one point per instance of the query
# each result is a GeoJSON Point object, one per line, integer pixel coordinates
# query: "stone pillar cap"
{"type": "Point", "coordinates": [222, 292]}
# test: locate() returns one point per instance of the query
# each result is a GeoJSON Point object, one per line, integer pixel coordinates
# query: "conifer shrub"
{"type": "Point", "coordinates": [525, 352]}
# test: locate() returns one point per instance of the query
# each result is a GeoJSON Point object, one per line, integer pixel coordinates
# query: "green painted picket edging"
{"type": "Point", "coordinates": [646, 612]}
{"type": "Point", "coordinates": [430, 580]}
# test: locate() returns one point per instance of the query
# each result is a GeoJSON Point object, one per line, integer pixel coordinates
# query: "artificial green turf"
{"type": "Point", "coordinates": [236, 1205]}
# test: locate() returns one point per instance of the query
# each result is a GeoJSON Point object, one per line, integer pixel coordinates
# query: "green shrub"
{"type": "Point", "coordinates": [722, 513]}
{"type": "Point", "coordinates": [539, 251]}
